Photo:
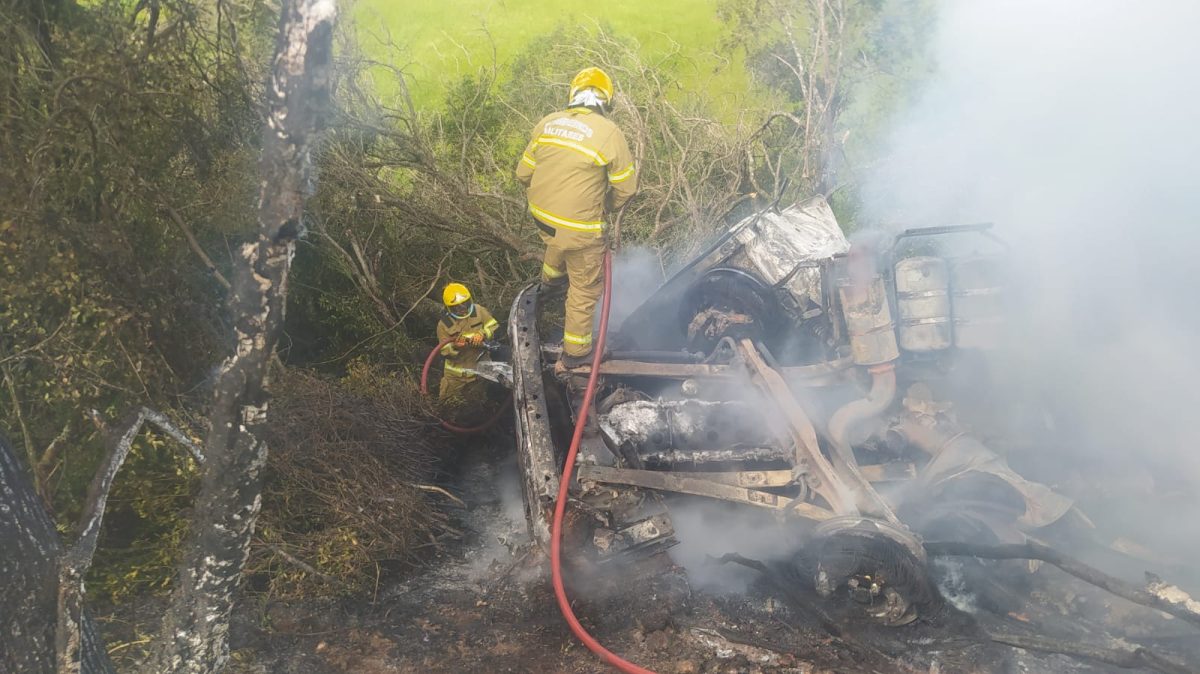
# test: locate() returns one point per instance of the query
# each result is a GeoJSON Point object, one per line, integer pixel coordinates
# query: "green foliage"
{"type": "Point", "coordinates": [836, 70]}
{"type": "Point", "coordinates": [72, 347]}
{"type": "Point", "coordinates": [438, 48]}
{"type": "Point", "coordinates": [413, 198]}
{"type": "Point", "coordinates": [146, 520]}
{"type": "Point", "coordinates": [131, 134]}
{"type": "Point", "coordinates": [414, 195]}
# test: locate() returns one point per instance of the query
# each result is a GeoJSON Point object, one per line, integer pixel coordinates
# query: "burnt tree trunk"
{"type": "Point", "coordinates": [29, 580]}
{"type": "Point", "coordinates": [195, 634]}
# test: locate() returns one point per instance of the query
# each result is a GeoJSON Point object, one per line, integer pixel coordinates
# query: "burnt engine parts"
{"type": "Point", "coordinates": [762, 372]}
{"type": "Point", "coordinates": [790, 280]}
{"type": "Point", "coordinates": [683, 434]}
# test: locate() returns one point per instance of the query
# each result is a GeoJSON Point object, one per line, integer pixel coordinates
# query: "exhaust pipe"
{"type": "Point", "coordinates": [851, 415]}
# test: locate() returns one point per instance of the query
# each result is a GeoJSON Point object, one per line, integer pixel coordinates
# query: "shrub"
{"type": "Point", "coordinates": [343, 501]}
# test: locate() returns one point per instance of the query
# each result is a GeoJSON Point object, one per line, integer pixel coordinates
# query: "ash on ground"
{"type": "Point", "coordinates": [484, 604]}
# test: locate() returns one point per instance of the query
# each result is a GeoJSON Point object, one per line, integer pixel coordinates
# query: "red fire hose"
{"type": "Point", "coordinates": [560, 592]}
{"type": "Point", "coordinates": [446, 424]}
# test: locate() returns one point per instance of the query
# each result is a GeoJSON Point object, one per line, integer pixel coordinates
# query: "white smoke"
{"type": "Point", "coordinates": [1074, 125]}
{"type": "Point", "coordinates": [708, 530]}
{"type": "Point", "coordinates": [637, 273]}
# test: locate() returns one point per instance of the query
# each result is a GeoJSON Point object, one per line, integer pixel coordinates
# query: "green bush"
{"type": "Point", "coordinates": [342, 502]}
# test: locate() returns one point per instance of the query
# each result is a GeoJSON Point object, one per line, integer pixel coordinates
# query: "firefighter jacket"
{"type": "Point", "coordinates": [461, 358]}
{"type": "Point", "coordinates": [577, 163]}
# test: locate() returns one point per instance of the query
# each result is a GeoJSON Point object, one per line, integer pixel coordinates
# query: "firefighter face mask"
{"type": "Point", "coordinates": [461, 310]}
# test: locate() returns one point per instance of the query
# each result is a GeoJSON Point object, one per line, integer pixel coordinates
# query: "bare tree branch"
{"type": "Point", "coordinates": [74, 565]}
{"type": "Point", "coordinates": [195, 245]}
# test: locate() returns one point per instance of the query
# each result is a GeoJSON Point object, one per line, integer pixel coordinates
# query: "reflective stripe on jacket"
{"type": "Point", "coordinates": [575, 161]}
{"type": "Point", "coordinates": [459, 359]}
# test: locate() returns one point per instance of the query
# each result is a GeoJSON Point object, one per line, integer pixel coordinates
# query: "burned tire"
{"type": "Point", "coordinates": [874, 566]}
{"type": "Point", "coordinates": [727, 303]}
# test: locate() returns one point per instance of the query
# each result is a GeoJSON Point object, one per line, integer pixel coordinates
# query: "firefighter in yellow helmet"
{"type": "Point", "coordinates": [577, 169]}
{"type": "Point", "coordinates": [467, 325]}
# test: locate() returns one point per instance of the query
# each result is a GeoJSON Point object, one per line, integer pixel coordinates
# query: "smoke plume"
{"type": "Point", "coordinates": [1075, 127]}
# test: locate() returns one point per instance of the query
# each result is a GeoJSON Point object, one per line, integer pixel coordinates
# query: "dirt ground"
{"type": "Point", "coordinates": [485, 605]}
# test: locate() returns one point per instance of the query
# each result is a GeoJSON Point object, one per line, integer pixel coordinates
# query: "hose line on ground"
{"type": "Point", "coordinates": [454, 428]}
{"type": "Point", "coordinates": [560, 592]}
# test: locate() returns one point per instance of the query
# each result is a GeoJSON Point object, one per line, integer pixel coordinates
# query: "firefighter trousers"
{"type": "Point", "coordinates": [578, 259]}
{"type": "Point", "coordinates": [460, 398]}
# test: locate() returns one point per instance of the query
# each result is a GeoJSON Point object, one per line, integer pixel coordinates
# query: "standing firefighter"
{"type": "Point", "coordinates": [577, 168]}
{"type": "Point", "coordinates": [467, 325]}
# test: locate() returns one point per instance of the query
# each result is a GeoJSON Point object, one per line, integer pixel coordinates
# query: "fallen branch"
{"type": "Point", "coordinates": [190, 237]}
{"type": "Point", "coordinates": [718, 640]}
{"type": "Point", "coordinates": [437, 276]}
{"type": "Point", "coordinates": [21, 354]}
{"type": "Point", "coordinates": [438, 490]}
{"type": "Point", "coordinates": [1178, 605]}
{"type": "Point", "coordinates": [301, 564]}
{"type": "Point", "coordinates": [1125, 658]}
{"type": "Point", "coordinates": [157, 419]}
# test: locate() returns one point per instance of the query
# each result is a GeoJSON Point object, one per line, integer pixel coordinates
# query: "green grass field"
{"type": "Point", "coordinates": [441, 40]}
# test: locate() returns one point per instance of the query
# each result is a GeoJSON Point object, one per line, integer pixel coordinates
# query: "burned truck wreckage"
{"type": "Point", "coordinates": [784, 370]}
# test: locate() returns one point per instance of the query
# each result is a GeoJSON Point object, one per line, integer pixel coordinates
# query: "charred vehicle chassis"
{"type": "Point", "coordinates": [782, 369]}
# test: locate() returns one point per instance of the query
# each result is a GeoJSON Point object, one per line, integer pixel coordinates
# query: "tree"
{"type": "Point", "coordinates": [40, 576]}
{"type": "Point", "coordinates": [195, 634]}
{"type": "Point", "coordinates": [835, 68]}
{"type": "Point", "coordinates": [29, 563]}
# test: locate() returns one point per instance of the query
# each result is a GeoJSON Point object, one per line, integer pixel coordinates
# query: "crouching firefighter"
{"type": "Point", "coordinates": [576, 168]}
{"type": "Point", "coordinates": [466, 325]}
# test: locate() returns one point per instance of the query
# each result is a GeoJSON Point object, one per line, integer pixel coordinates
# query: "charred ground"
{"type": "Point", "coordinates": [484, 603]}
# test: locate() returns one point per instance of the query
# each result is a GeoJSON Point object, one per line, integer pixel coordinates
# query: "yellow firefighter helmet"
{"type": "Point", "coordinates": [594, 78]}
{"type": "Point", "coordinates": [455, 294]}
